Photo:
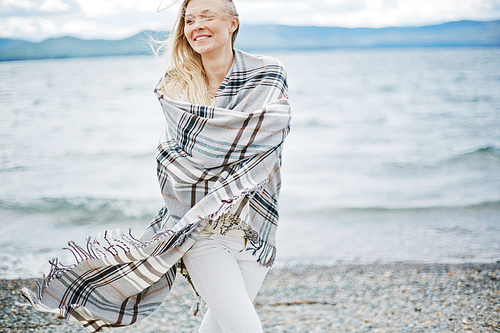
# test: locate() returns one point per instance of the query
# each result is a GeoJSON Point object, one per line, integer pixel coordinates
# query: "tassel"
{"type": "Point", "coordinates": [198, 306]}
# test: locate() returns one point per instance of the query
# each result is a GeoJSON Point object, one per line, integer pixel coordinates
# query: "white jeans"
{"type": "Point", "coordinates": [228, 278]}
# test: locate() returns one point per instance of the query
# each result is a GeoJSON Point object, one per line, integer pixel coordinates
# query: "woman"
{"type": "Point", "coordinates": [202, 55]}
{"type": "Point", "coordinates": [219, 161]}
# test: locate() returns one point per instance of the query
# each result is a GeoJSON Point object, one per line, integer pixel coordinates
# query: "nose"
{"type": "Point", "coordinates": [198, 25]}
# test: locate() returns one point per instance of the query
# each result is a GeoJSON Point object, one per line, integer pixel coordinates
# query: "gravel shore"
{"type": "Point", "coordinates": [365, 298]}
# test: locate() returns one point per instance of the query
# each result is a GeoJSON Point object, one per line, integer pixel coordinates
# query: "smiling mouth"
{"type": "Point", "coordinates": [197, 39]}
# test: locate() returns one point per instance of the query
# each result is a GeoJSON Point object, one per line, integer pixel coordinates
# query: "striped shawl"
{"type": "Point", "coordinates": [210, 158]}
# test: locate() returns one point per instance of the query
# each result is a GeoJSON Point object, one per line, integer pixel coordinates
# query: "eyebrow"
{"type": "Point", "coordinates": [203, 12]}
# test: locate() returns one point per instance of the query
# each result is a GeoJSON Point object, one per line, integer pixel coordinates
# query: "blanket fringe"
{"type": "Point", "coordinates": [96, 249]}
{"type": "Point", "coordinates": [226, 205]}
{"type": "Point", "coordinates": [266, 252]}
{"type": "Point", "coordinates": [198, 306]}
{"type": "Point", "coordinates": [35, 302]}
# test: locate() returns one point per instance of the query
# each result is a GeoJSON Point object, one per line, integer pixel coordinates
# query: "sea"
{"type": "Point", "coordinates": [393, 156]}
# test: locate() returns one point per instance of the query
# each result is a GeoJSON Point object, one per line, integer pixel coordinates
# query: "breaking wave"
{"type": "Point", "coordinates": [84, 210]}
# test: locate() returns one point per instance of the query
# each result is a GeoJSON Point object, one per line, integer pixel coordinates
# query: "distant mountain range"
{"type": "Point", "coordinates": [273, 37]}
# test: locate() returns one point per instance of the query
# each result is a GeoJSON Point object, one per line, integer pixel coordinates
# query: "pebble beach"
{"type": "Point", "coordinates": [355, 298]}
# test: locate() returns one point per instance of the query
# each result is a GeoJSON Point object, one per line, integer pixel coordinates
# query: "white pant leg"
{"type": "Point", "coordinates": [209, 324]}
{"type": "Point", "coordinates": [228, 280]}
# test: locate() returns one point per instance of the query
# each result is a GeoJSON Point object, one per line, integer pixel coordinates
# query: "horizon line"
{"type": "Point", "coordinates": [35, 40]}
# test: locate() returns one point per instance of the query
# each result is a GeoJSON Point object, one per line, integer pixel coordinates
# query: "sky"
{"type": "Point", "coordinates": [37, 20]}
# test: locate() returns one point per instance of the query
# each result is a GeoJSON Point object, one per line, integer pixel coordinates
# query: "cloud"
{"type": "Point", "coordinates": [11, 5]}
{"type": "Point", "coordinates": [46, 6]}
{"type": "Point", "coordinates": [110, 8]}
{"type": "Point", "coordinates": [109, 19]}
{"type": "Point", "coordinates": [27, 26]}
{"type": "Point", "coordinates": [367, 13]}
{"type": "Point", "coordinates": [39, 19]}
{"type": "Point", "coordinates": [54, 6]}
{"type": "Point", "coordinates": [98, 8]}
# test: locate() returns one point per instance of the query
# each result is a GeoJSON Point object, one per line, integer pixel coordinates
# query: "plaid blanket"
{"type": "Point", "coordinates": [210, 159]}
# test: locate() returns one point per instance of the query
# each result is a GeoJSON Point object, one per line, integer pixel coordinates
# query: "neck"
{"type": "Point", "coordinates": [216, 68]}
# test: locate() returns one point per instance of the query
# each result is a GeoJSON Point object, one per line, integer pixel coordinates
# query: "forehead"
{"type": "Point", "coordinates": [195, 7]}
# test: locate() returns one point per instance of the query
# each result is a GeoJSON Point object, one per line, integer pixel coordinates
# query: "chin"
{"type": "Point", "coordinates": [198, 48]}
{"type": "Point", "coordinates": [203, 50]}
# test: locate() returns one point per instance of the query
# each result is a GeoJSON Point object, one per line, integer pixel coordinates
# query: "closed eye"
{"type": "Point", "coordinates": [189, 19]}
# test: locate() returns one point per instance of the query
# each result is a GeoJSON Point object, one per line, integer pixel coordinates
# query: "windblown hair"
{"type": "Point", "coordinates": [185, 75]}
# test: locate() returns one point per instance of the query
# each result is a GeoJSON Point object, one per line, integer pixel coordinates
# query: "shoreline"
{"type": "Point", "coordinates": [398, 297]}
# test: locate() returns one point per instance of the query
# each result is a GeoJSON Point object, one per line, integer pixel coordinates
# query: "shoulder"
{"type": "Point", "coordinates": [264, 73]}
{"type": "Point", "coordinates": [257, 61]}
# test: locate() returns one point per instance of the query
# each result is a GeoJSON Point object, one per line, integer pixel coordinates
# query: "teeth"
{"type": "Point", "coordinates": [200, 38]}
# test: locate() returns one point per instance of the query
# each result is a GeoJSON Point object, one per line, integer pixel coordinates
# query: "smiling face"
{"type": "Point", "coordinates": [208, 26]}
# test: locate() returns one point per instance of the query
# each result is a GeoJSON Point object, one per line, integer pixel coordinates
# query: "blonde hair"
{"type": "Point", "coordinates": [184, 70]}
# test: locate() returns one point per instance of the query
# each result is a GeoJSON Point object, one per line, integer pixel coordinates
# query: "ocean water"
{"type": "Point", "coordinates": [394, 156]}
